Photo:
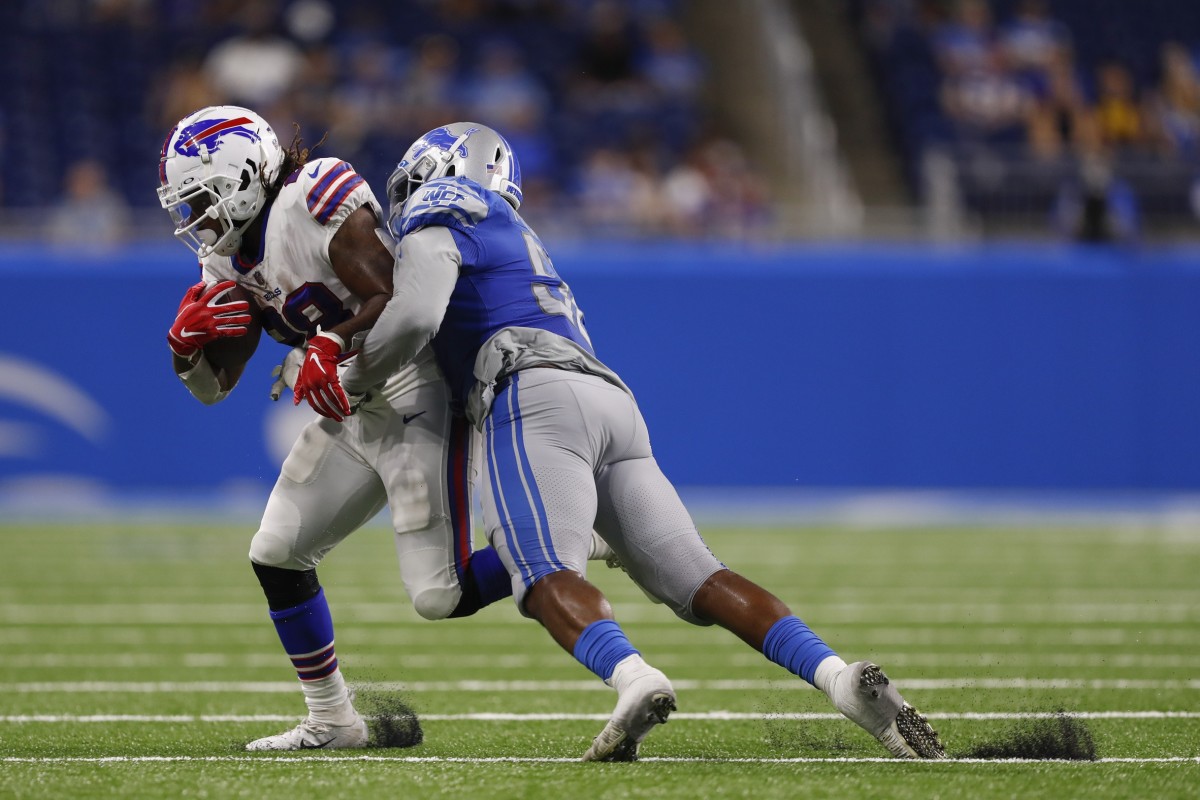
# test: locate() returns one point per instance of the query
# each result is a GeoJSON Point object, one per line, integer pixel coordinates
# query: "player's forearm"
{"type": "Point", "coordinates": [364, 320]}
{"type": "Point", "coordinates": [205, 384]}
{"type": "Point", "coordinates": [425, 275]}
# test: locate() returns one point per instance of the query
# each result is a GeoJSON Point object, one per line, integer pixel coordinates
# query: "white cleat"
{"type": "Point", "coordinates": [865, 695]}
{"type": "Point", "coordinates": [313, 735]}
{"type": "Point", "coordinates": [645, 699]}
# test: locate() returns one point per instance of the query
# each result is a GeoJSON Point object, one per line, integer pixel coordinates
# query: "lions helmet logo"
{"type": "Point", "coordinates": [441, 138]}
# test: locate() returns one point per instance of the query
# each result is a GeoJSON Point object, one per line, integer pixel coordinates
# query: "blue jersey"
{"type": "Point", "coordinates": [506, 279]}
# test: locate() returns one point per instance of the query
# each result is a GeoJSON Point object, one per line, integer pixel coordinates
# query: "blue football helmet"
{"type": "Point", "coordinates": [465, 149]}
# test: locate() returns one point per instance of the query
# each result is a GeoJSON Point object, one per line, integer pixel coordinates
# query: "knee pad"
{"type": "Point", "coordinates": [286, 588]}
{"type": "Point", "coordinates": [437, 603]}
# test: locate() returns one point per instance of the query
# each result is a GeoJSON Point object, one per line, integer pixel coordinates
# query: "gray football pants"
{"type": "Point", "coordinates": [407, 451]}
{"type": "Point", "coordinates": [565, 452]}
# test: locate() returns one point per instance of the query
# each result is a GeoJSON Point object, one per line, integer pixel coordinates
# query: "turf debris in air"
{"type": "Point", "coordinates": [1057, 738]}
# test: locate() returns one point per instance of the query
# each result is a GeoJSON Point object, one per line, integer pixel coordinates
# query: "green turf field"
{"type": "Point", "coordinates": [137, 660]}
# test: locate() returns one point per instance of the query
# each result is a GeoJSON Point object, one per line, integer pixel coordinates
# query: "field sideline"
{"type": "Point", "coordinates": [137, 659]}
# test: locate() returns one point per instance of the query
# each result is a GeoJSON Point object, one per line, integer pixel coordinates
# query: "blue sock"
{"type": "Point", "coordinates": [602, 646]}
{"type": "Point", "coordinates": [490, 576]}
{"type": "Point", "coordinates": [791, 645]}
{"type": "Point", "coordinates": [306, 632]}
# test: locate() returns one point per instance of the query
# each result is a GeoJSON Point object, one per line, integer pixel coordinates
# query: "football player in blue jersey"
{"type": "Point", "coordinates": [566, 449]}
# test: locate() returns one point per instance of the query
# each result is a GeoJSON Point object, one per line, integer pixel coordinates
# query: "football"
{"type": "Point", "coordinates": [234, 351]}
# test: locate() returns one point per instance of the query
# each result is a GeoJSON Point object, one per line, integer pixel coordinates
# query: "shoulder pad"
{"type": "Point", "coordinates": [456, 203]}
{"type": "Point", "coordinates": [326, 184]}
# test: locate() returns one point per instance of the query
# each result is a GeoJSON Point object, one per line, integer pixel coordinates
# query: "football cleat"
{"type": "Point", "coordinates": [865, 695]}
{"type": "Point", "coordinates": [313, 735]}
{"type": "Point", "coordinates": [646, 699]}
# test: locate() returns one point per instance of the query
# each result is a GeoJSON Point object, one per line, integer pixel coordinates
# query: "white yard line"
{"type": "Point", "coordinates": [276, 687]}
{"type": "Point", "coordinates": [524, 760]}
{"type": "Point", "coordinates": [176, 614]}
{"type": "Point", "coordinates": [501, 717]}
{"type": "Point", "coordinates": [512, 660]}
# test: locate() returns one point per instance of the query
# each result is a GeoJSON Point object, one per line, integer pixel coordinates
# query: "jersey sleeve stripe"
{"type": "Point", "coordinates": [321, 186]}
{"type": "Point", "coordinates": [340, 192]}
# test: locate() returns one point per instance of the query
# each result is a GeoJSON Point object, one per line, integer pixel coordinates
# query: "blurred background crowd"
{"type": "Point", "coordinates": [639, 118]}
{"type": "Point", "coordinates": [1091, 109]}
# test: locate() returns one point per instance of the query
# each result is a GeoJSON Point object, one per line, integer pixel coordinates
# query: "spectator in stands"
{"type": "Point", "coordinates": [90, 211]}
{"type": "Point", "coordinates": [258, 65]}
{"type": "Point", "coordinates": [1118, 117]}
{"type": "Point", "coordinates": [713, 194]}
{"type": "Point", "coordinates": [1033, 41]}
{"type": "Point", "coordinates": [966, 44]}
{"type": "Point", "coordinates": [502, 91]}
{"type": "Point", "coordinates": [1059, 115]}
{"type": "Point", "coordinates": [979, 92]}
{"type": "Point", "coordinates": [1094, 206]}
{"type": "Point", "coordinates": [184, 88]}
{"type": "Point", "coordinates": [1175, 109]}
{"type": "Point", "coordinates": [608, 186]}
{"type": "Point", "coordinates": [670, 64]}
{"type": "Point", "coordinates": [1093, 203]}
{"type": "Point", "coordinates": [429, 93]}
{"type": "Point", "coordinates": [607, 77]}
{"type": "Point", "coordinates": [366, 95]}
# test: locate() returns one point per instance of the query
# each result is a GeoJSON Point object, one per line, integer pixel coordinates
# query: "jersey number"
{"type": "Point", "coordinates": [558, 300]}
{"type": "Point", "coordinates": [311, 306]}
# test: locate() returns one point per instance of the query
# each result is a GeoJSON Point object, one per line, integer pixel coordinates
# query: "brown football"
{"type": "Point", "coordinates": [234, 351]}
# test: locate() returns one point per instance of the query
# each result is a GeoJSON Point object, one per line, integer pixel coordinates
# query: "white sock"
{"type": "Point", "coordinates": [827, 670]}
{"type": "Point", "coordinates": [626, 670]}
{"type": "Point", "coordinates": [328, 699]}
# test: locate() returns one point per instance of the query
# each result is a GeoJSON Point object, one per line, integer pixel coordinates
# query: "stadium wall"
{"type": "Point", "coordinates": [802, 366]}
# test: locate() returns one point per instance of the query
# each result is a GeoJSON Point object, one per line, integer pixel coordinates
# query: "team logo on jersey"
{"type": "Point", "coordinates": [210, 132]}
{"type": "Point", "coordinates": [442, 196]}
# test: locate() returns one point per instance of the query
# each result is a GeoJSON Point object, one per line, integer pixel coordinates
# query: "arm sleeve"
{"type": "Point", "coordinates": [202, 382]}
{"type": "Point", "coordinates": [424, 276]}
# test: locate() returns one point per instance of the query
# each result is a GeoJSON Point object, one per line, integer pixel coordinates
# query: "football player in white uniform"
{"type": "Point", "coordinates": [566, 447]}
{"type": "Point", "coordinates": [301, 237]}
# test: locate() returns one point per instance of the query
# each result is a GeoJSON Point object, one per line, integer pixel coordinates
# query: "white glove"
{"type": "Point", "coordinates": [285, 374]}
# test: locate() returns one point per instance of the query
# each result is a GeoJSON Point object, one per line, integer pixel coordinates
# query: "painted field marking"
{"type": "Point", "coordinates": [240, 614]}
{"type": "Point", "coordinates": [277, 687]}
{"type": "Point", "coordinates": [307, 759]}
{"type": "Point", "coordinates": [722, 716]}
{"type": "Point", "coordinates": [512, 660]}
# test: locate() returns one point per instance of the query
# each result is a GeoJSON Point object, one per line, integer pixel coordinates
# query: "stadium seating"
{"type": "Point", "coordinates": [1002, 173]}
{"type": "Point", "coordinates": [105, 81]}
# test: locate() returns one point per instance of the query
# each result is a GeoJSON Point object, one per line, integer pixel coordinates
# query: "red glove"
{"type": "Point", "coordinates": [203, 318]}
{"type": "Point", "coordinates": [318, 379]}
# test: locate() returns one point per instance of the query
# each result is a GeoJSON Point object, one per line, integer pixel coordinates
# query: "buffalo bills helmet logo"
{"type": "Point", "coordinates": [210, 132]}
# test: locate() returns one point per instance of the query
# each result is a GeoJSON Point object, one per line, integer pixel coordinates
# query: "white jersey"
{"type": "Point", "coordinates": [292, 279]}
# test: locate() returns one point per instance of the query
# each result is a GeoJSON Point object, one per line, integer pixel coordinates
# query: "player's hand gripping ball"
{"type": "Point", "coordinates": [205, 315]}
{"type": "Point", "coordinates": [227, 352]}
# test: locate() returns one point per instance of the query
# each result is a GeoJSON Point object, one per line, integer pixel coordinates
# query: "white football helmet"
{"type": "Point", "coordinates": [460, 149]}
{"type": "Point", "coordinates": [216, 165]}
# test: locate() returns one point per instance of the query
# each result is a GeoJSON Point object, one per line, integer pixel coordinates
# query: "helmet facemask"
{"type": "Point", "coordinates": [462, 149]}
{"type": "Point", "coordinates": [202, 200]}
{"type": "Point", "coordinates": [227, 183]}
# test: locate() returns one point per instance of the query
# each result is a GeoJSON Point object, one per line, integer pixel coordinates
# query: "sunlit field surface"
{"type": "Point", "coordinates": [138, 659]}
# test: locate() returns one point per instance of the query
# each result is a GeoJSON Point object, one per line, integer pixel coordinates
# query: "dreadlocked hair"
{"type": "Point", "coordinates": [294, 157]}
